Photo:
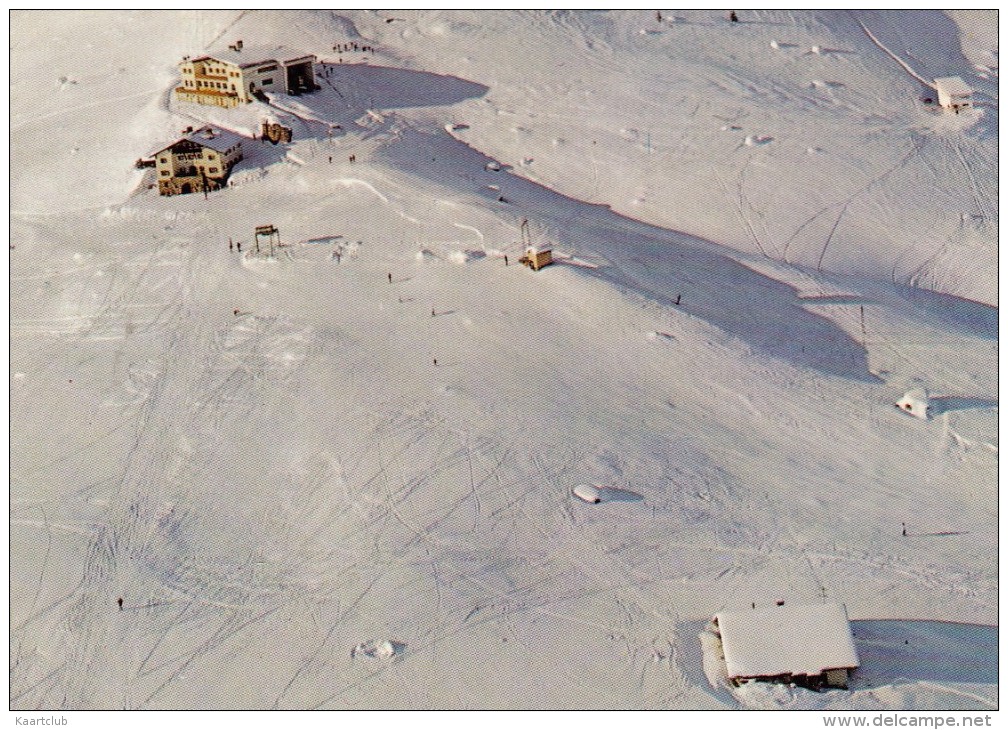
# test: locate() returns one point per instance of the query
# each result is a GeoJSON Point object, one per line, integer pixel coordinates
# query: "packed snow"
{"type": "Point", "coordinates": [347, 475]}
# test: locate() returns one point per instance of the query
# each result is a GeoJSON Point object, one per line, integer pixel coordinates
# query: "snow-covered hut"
{"type": "Point", "coordinates": [915, 402]}
{"type": "Point", "coordinates": [809, 644]}
{"type": "Point", "coordinates": [953, 92]}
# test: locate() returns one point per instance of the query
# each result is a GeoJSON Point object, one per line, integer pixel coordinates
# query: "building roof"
{"type": "Point", "coordinates": [953, 86]}
{"type": "Point", "coordinates": [796, 639]}
{"type": "Point", "coordinates": [256, 55]}
{"type": "Point", "coordinates": [215, 138]}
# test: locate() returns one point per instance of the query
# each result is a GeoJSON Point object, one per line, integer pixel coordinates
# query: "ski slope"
{"type": "Point", "coordinates": [314, 487]}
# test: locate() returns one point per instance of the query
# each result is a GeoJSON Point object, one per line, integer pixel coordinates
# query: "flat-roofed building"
{"type": "Point", "coordinates": [233, 77]}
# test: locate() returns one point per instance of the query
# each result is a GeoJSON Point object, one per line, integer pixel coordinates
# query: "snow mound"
{"type": "Point", "coordinates": [465, 257]}
{"type": "Point", "coordinates": [385, 649]}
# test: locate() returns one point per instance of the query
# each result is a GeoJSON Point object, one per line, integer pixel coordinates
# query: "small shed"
{"type": "Point", "coordinates": [915, 402]}
{"type": "Point", "coordinates": [953, 93]}
{"type": "Point", "coordinates": [808, 644]}
{"type": "Point", "coordinates": [536, 258]}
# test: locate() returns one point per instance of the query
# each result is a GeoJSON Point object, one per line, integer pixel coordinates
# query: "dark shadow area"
{"type": "Point", "coordinates": [980, 320]}
{"type": "Point", "coordinates": [386, 87]}
{"type": "Point", "coordinates": [944, 403]}
{"type": "Point", "coordinates": [359, 86]}
{"type": "Point", "coordinates": [257, 153]}
{"type": "Point", "coordinates": [612, 494]}
{"type": "Point", "coordinates": [323, 240]}
{"type": "Point", "coordinates": [348, 91]}
{"type": "Point", "coordinates": [932, 651]}
{"type": "Point", "coordinates": [833, 52]}
{"type": "Point", "coordinates": [662, 265]}
{"type": "Point", "coordinates": [837, 299]}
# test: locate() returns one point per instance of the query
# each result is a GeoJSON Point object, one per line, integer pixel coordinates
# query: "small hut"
{"type": "Point", "coordinates": [807, 644]}
{"type": "Point", "coordinates": [536, 258]}
{"type": "Point", "coordinates": [915, 402]}
{"type": "Point", "coordinates": [954, 93]}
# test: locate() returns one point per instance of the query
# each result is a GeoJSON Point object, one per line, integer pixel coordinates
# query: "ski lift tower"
{"type": "Point", "coordinates": [269, 231]}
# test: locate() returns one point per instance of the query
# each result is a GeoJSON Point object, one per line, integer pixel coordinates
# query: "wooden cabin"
{"type": "Point", "coordinates": [535, 258]}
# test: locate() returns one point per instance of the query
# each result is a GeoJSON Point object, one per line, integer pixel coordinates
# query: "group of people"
{"type": "Point", "coordinates": [341, 47]}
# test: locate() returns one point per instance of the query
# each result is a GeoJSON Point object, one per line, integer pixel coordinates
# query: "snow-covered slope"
{"type": "Point", "coordinates": [312, 486]}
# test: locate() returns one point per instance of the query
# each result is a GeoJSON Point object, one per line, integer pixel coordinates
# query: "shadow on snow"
{"type": "Point", "coordinates": [657, 263]}
{"type": "Point", "coordinates": [932, 651]}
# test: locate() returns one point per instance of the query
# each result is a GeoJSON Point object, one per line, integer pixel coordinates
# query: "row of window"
{"type": "Point", "coordinates": [186, 156]}
{"type": "Point", "coordinates": [210, 170]}
{"type": "Point", "coordinates": [208, 85]}
{"type": "Point", "coordinates": [217, 70]}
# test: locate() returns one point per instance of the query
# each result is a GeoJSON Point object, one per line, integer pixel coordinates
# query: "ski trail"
{"type": "Point", "coordinates": [893, 56]}
{"type": "Point", "coordinates": [469, 228]}
{"type": "Point", "coordinates": [351, 182]}
{"type": "Point", "coordinates": [71, 110]}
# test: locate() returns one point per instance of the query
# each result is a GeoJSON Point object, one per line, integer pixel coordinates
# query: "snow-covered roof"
{"type": "Point", "coordinates": [953, 86]}
{"type": "Point", "coordinates": [256, 55]}
{"type": "Point", "coordinates": [790, 639]}
{"type": "Point", "coordinates": [915, 401]}
{"type": "Point", "coordinates": [215, 138]}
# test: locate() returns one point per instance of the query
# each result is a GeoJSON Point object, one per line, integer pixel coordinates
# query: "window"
{"type": "Point", "coordinates": [212, 169]}
{"type": "Point", "coordinates": [165, 173]}
{"type": "Point", "coordinates": [164, 160]}
{"type": "Point", "coordinates": [267, 82]}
